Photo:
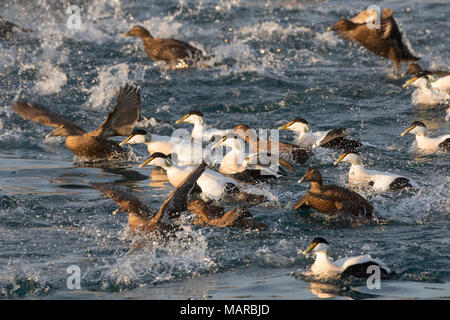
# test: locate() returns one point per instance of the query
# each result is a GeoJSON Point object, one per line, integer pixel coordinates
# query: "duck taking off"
{"type": "Point", "coordinates": [333, 139]}
{"type": "Point", "coordinates": [178, 54]}
{"type": "Point", "coordinates": [331, 199]}
{"type": "Point", "coordinates": [379, 181]}
{"type": "Point", "coordinates": [384, 40]}
{"type": "Point", "coordinates": [94, 145]}
{"type": "Point", "coordinates": [358, 266]}
{"type": "Point", "coordinates": [200, 130]}
{"type": "Point", "coordinates": [424, 143]}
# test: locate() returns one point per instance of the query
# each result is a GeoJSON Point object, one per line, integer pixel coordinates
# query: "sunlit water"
{"type": "Point", "coordinates": [273, 61]}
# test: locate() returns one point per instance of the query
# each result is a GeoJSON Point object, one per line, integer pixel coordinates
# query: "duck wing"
{"type": "Point", "coordinates": [41, 114]}
{"type": "Point", "coordinates": [172, 49]}
{"type": "Point", "coordinates": [121, 119]}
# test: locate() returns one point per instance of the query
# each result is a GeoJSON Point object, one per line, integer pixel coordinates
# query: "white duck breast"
{"type": "Point", "coordinates": [424, 143]}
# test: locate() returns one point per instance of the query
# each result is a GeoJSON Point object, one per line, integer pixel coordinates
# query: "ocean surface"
{"type": "Point", "coordinates": [273, 61]}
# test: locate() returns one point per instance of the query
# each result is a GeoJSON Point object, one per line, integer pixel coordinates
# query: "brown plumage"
{"type": "Point", "coordinates": [385, 41]}
{"type": "Point", "coordinates": [142, 219]}
{"type": "Point", "coordinates": [6, 29]}
{"type": "Point", "coordinates": [210, 215]}
{"type": "Point", "coordinates": [414, 69]}
{"type": "Point", "coordinates": [286, 150]}
{"type": "Point", "coordinates": [94, 145]}
{"type": "Point", "coordinates": [331, 199]}
{"type": "Point", "coordinates": [177, 53]}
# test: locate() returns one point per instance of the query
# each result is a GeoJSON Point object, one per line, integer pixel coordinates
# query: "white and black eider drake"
{"type": "Point", "coordinates": [333, 139]}
{"type": "Point", "coordinates": [350, 266]}
{"type": "Point", "coordinates": [379, 181]}
{"type": "Point", "coordinates": [184, 152]}
{"type": "Point", "coordinates": [424, 143]}
{"type": "Point", "coordinates": [200, 130]}
{"type": "Point", "coordinates": [430, 90]}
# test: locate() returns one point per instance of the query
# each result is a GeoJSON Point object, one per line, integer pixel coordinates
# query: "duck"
{"type": "Point", "coordinates": [256, 167]}
{"type": "Point", "coordinates": [212, 184]}
{"type": "Point", "coordinates": [424, 143]}
{"type": "Point", "coordinates": [178, 54]}
{"type": "Point", "coordinates": [331, 199]}
{"type": "Point", "coordinates": [431, 90]}
{"type": "Point", "coordinates": [385, 41]}
{"type": "Point", "coordinates": [332, 139]}
{"type": "Point", "coordinates": [379, 181]}
{"type": "Point", "coordinates": [6, 29]}
{"type": "Point", "coordinates": [414, 68]}
{"type": "Point", "coordinates": [287, 151]}
{"type": "Point", "coordinates": [144, 220]}
{"type": "Point", "coordinates": [182, 152]}
{"type": "Point", "coordinates": [200, 131]}
{"type": "Point", "coordinates": [211, 215]}
{"type": "Point", "coordinates": [357, 266]}
{"type": "Point", "coordinates": [93, 145]}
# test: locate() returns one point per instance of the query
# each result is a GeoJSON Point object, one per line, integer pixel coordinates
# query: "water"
{"type": "Point", "coordinates": [273, 61]}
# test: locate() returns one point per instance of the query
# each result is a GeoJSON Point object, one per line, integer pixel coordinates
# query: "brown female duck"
{"type": "Point", "coordinates": [331, 199]}
{"type": "Point", "coordinates": [385, 41]}
{"type": "Point", "coordinates": [414, 69]}
{"type": "Point", "coordinates": [177, 53]}
{"type": "Point", "coordinates": [94, 145]}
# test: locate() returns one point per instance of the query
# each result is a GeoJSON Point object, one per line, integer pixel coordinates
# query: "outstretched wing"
{"type": "Point", "coordinates": [120, 121]}
{"type": "Point", "coordinates": [177, 201]}
{"type": "Point", "coordinates": [42, 115]}
{"type": "Point", "coordinates": [128, 203]}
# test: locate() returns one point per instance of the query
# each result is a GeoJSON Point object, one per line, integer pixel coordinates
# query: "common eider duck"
{"type": "Point", "coordinates": [331, 199]}
{"type": "Point", "coordinates": [210, 215]}
{"type": "Point", "coordinates": [286, 150]}
{"type": "Point", "coordinates": [213, 185]}
{"type": "Point", "coordinates": [94, 145]}
{"type": "Point", "coordinates": [333, 139]}
{"type": "Point", "coordinates": [414, 68]}
{"type": "Point", "coordinates": [385, 41]}
{"type": "Point", "coordinates": [178, 54]}
{"type": "Point", "coordinates": [142, 219]}
{"type": "Point", "coordinates": [379, 181]}
{"type": "Point", "coordinates": [181, 152]}
{"type": "Point", "coordinates": [200, 130]}
{"type": "Point", "coordinates": [358, 266]}
{"type": "Point", "coordinates": [430, 90]}
{"type": "Point", "coordinates": [6, 29]}
{"type": "Point", "coordinates": [423, 142]}
{"type": "Point", "coordinates": [249, 167]}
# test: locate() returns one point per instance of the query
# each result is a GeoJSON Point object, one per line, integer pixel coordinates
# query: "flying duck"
{"type": "Point", "coordinates": [287, 151]}
{"type": "Point", "coordinates": [250, 167]}
{"type": "Point", "coordinates": [414, 68]}
{"type": "Point", "coordinates": [331, 199]}
{"type": "Point", "coordinates": [423, 142]}
{"type": "Point", "coordinates": [379, 181]}
{"type": "Point", "coordinates": [142, 219]}
{"type": "Point", "coordinates": [333, 139]}
{"type": "Point", "coordinates": [210, 215]}
{"type": "Point", "coordinates": [200, 131]}
{"type": "Point", "coordinates": [385, 41]}
{"type": "Point", "coordinates": [178, 54]}
{"type": "Point", "coordinates": [94, 145]}
{"type": "Point", "coordinates": [213, 185]}
{"type": "Point", "coordinates": [357, 266]}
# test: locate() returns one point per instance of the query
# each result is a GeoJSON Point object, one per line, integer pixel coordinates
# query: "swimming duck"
{"type": "Point", "coordinates": [213, 185]}
{"type": "Point", "coordinates": [142, 219]}
{"type": "Point", "coordinates": [287, 150]}
{"type": "Point", "coordinates": [423, 142]}
{"type": "Point", "coordinates": [357, 266]}
{"type": "Point", "coordinates": [331, 199]}
{"type": "Point", "coordinates": [210, 215]}
{"type": "Point", "coordinates": [6, 29]}
{"type": "Point", "coordinates": [431, 91]}
{"type": "Point", "coordinates": [414, 68]}
{"type": "Point", "coordinates": [94, 145]}
{"type": "Point", "coordinates": [178, 54]}
{"type": "Point", "coordinates": [379, 181]}
{"type": "Point", "coordinates": [385, 41]}
{"type": "Point", "coordinates": [200, 131]}
{"type": "Point", "coordinates": [255, 166]}
{"type": "Point", "coordinates": [180, 151]}
{"type": "Point", "coordinates": [333, 139]}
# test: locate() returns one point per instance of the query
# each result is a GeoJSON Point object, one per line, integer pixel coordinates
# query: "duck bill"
{"type": "Point", "coordinates": [143, 164]}
{"type": "Point", "coordinates": [301, 179]}
{"type": "Point", "coordinates": [312, 246]}
{"type": "Point", "coordinates": [123, 35]}
{"type": "Point", "coordinates": [126, 140]}
{"type": "Point", "coordinates": [287, 165]}
{"type": "Point", "coordinates": [51, 134]}
{"type": "Point", "coordinates": [286, 126]}
{"type": "Point", "coordinates": [182, 119]}
{"type": "Point", "coordinates": [342, 156]}
{"type": "Point", "coordinates": [219, 143]}
{"type": "Point", "coordinates": [410, 81]}
{"type": "Point", "coordinates": [407, 130]}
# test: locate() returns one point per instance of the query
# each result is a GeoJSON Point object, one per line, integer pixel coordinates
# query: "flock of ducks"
{"type": "Point", "coordinates": [198, 186]}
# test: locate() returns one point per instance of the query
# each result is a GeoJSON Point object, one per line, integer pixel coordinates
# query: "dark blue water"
{"type": "Point", "coordinates": [273, 61]}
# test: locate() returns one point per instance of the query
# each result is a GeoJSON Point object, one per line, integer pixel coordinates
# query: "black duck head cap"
{"type": "Point", "coordinates": [314, 243]}
{"type": "Point", "coordinates": [134, 132]}
{"type": "Point", "coordinates": [187, 115]}
{"type": "Point", "coordinates": [312, 175]}
{"type": "Point", "coordinates": [414, 125]}
{"type": "Point", "coordinates": [320, 240]}
{"type": "Point", "coordinates": [137, 31]}
{"type": "Point", "coordinates": [153, 156]}
{"type": "Point", "coordinates": [344, 154]}
{"type": "Point", "coordinates": [290, 123]}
